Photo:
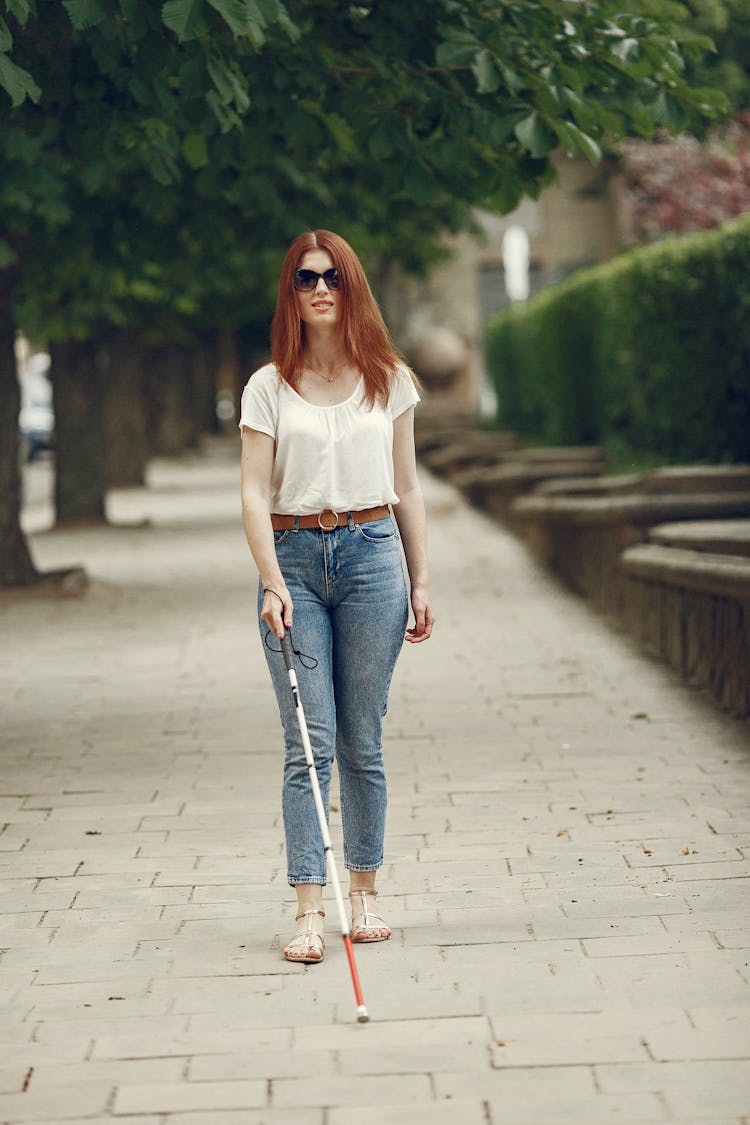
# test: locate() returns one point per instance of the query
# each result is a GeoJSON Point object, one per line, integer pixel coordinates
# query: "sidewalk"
{"type": "Point", "coordinates": [567, 857]}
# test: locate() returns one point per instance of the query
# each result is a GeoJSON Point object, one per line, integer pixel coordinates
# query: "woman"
{"type": "Point", "coordinates": [327, 446]}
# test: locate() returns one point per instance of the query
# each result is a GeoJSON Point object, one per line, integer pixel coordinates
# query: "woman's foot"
{"type": "Point", "coordinates": [366, 926]}
{"type": "Point", "coordinates": [308, 943]}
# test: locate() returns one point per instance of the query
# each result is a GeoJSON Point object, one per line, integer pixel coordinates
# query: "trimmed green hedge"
{"type": "Point", "coordinates": [648, 354]}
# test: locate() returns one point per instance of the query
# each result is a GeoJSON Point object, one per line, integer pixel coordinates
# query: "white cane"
{"type": "Point", "coordinates": [288, 651]}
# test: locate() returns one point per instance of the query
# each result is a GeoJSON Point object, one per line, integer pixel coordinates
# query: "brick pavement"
{"type": "Point", "coordinates": [567, 859]}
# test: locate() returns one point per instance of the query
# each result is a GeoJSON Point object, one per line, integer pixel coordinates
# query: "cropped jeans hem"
{"type": "Point", "coordinates": [308, 880]}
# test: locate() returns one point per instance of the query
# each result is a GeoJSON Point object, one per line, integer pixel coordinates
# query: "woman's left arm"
{"type": "Point", "coordinates": [410, 517]}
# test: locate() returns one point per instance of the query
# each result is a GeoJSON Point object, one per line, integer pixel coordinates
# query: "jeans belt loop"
{"type": "Point", "coordinates": [296, 524]}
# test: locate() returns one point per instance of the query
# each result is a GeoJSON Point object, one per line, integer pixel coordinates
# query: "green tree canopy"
{"type": "Point", "coordinates": [727, 68]}
{"type": "Point", "coordinates": [156, 158]}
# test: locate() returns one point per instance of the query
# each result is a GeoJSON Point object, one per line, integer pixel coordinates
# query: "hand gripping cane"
{"type": "Point", "coordinates": [288, 651]}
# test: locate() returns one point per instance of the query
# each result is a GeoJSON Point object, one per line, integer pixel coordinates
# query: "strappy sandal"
{"type": "Point", "coordinates": [307, 945]}
{"type": "Point", "coordinates": [363, 922]}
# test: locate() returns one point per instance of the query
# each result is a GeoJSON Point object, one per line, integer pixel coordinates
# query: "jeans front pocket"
{"type": "Point", "coordinates": [378, 531]}
{"type": "Point", "coordinates": [280, 536]}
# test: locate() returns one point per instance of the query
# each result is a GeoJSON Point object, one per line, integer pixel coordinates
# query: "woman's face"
{"type": "Point", "coordinates": [321, 306]}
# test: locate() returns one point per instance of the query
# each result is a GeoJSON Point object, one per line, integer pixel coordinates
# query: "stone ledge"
{"type": "Point", "coordinates": [701, 571]}
{"type": "Point", "coordinates": [556, 454]}
{"type": "Point", "coordinates": [497, 488]}
{"type": "Point", "coordinates": [479, 448]}
{"type": "Point", "coordinates": [618, 484]}
{"type": "Point", "coordinates": [633, 508]}
{"type": "Point", "coordinates": [582, 539]}
{"type": "Point", "coordinates": [723, 537]}
{"type": "Point", "coordinates": [692, 609]}
{"type": "Point", "coordinates": [697, 478]}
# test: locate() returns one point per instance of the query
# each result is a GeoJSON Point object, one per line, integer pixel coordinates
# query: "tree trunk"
{"type": "Point", "coordinates": [227, 378]}
{"type": "Point", "coordinates": [125, 429]}
{"type": "Point", "coordinates": [169, 387]}
{"type": "Point", "coordinates": [78, 391]}
{"type": "Point", "coordinates": [253, 351]}
{"type": "Point", "coordinates": [204, 384]}
{"type": "Point", "coordinates": [16, 566]}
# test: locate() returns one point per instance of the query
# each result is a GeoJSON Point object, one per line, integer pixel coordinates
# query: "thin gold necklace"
{"type": "Point", "coordinates": [332, 379]}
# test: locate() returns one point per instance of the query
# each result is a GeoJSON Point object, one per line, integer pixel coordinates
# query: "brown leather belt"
{"type": "Point", "coordinates": [327, 520]}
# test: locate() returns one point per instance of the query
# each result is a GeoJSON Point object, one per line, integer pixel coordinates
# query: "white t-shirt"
{"type": "Point", "coordinates": [338, 457]}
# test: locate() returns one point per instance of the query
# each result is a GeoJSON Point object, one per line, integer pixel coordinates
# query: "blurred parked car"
{"type": "Point", "coordinates": [36, 418]}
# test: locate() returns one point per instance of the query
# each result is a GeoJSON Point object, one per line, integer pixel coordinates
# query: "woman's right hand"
{"type": "Point", "coordinates": [277, 610]}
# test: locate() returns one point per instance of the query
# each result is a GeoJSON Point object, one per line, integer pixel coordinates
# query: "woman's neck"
{"type": "Point", "coordinates": [325, 354]}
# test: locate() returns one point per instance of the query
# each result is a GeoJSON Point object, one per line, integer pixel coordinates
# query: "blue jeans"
{"type": "Point", "coordinates": [350, 614]}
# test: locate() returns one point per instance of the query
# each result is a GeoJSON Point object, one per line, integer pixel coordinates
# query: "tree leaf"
{"type": "Point", "coordinates": [486, 73]}
{"type": "Point", "coordinates": [187, 18]}
{"type": "Point", "coordinates": [341, 131]}
{"type": "Point", "coordinates": [7, 254]}
{"type": "Point", "coordinates": [270, 10]}
{"type": "Point", "coordinates": [242, 17]}
{"type": "Point", "coordinates": [17, 83]}
{"type": "Point", "coordinates": [627, 50]}
{"type": "Point", "coordinates": [457, 49]}
{"type": "Point", "coordinates": [195, 150]}
{"type": "Point", "coordinates": [225, 116]}
{"type": "Point", "coordinates": [230, 86]}
{"type": "Point", "coordinates": [640, 119]}
{"type": "Point", "coordinates": [379, 143]}
{"type": "Point", "coordinates": [669, 111]}
{"type": "Point", "coordinates": [503, 125]}
{"type": "Point", "coordinates": [512, 80]}
{"type": "Point", "coordinates": [6, 39]}
{"type": "Point", "coordinates": [85, 13]}
{"type": "Point", "coordinates": [708, 100]}
{"type": "Point", "coordinates": [580, 108]}
{"type": "Point", "coordinates": [418, 182]}
{"type": "Point", "coordinates": [578, 143]}
{"type": "Point", "coordinates": [535, 135]}
{"type": "Point", "coordinates": [21, 9]}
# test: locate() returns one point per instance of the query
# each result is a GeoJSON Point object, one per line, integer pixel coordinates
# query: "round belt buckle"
{"type": "Point", "coordinates": [326, 526]}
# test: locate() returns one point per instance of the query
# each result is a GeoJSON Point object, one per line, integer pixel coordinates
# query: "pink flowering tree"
{"type": "Point", "coordinates": [680, 184]}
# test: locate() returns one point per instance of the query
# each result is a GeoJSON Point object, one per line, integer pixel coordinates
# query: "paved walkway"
{"type": "Point", "coordinates": [567, 862]}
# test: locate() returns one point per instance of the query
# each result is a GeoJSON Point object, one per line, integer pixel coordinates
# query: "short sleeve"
{"type": "Point", "coordinates": [403, 394]}
{"type": "Point", "coordinates": [259, 408]}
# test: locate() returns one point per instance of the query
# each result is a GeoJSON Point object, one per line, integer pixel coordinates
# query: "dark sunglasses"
{"type": "Point", "coordinates": [307, 280]}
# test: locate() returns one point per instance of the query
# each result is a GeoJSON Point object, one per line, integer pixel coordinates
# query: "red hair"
{"type": "Point", "coordinates": [366, 339]}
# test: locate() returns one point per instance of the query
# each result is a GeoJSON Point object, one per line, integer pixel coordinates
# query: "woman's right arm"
{"type": "Point", "coordinates": [257, 466]}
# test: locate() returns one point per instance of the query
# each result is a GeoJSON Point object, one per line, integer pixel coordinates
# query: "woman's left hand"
{"type": "Point", "coordinates": [424, 619]}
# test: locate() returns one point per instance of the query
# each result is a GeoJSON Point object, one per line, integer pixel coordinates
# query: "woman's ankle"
{"type": "Point", "coordinates": [309, 897]}
{"type": "Point", "coordinates": [361, 881]}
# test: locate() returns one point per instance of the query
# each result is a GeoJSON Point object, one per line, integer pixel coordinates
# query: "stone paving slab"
{"type": "Point", "coordinates": [566, 872]}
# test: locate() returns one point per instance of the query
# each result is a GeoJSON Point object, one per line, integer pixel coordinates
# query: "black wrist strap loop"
{"type": "Point", "coordinates": [306, 661]}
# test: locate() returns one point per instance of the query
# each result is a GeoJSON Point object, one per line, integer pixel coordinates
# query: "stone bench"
{"type": "Point", "coordinates": [581, 538]}
{"type": "Point", "coordinates": [686, 599]}
{"type": "Point", "coordinates": [618, 484]}
{"type": "Point", "coordinates": [439, 423]}
{"type": "Point", "coordinates": [590, 455]}
{"type": "Point", "coordinates": [480, 448]}
{"type": "Point", "coordinates": [494, 488]}
{"type": "Point", "coordinates": [719, 537]}
{"type": "Point", "coordinates": [697, 478]}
